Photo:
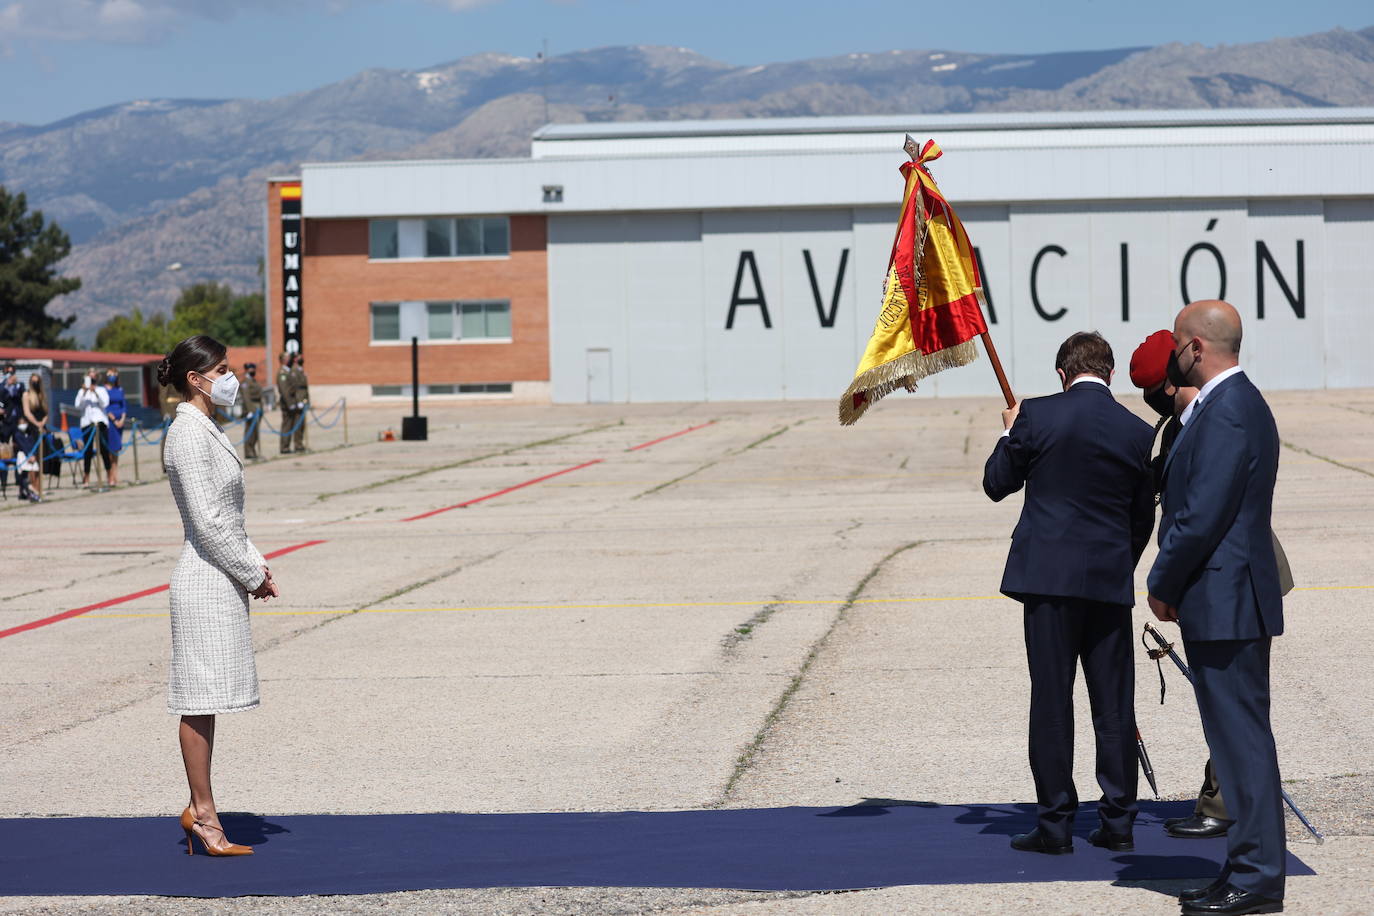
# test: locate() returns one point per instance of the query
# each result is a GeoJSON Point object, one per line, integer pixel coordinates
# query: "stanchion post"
{"type": "Point", "coordinates": [134, 438]}
{"type": "Point", "coordinates": [414, 427]}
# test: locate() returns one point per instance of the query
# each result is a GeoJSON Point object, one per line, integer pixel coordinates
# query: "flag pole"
{"type": "Point", "coordinates": [997, 367]}
{"type": "Point", "coordinates": [911, 148]}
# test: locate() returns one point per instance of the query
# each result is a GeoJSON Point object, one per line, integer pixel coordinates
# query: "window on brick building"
{"type": "Point", "coordinates": [386, 321]}
{"type": "Point", "coordinates": [469, 320]}
{"type": "Point", "coordinates": [403, 391]}
{"type": "Point", "coordinates": [432, 322]}
{"type": "Point", "coordinates": [383, 238]}
{"type": "Point", "coordinates": [439, 237]}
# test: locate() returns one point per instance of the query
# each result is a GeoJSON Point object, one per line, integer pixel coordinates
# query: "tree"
{"type": "Point", "coordinates": [135, 334]}
{"type": "Point", "coordinates": [30, 247]}
{"type": "Point", "coordinates": [214, 309]}
{"type": "Point", "coordinates": [203, 308]}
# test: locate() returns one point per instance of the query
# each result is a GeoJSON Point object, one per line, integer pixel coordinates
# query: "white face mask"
{"type": "Point", "coordinates": [224, 390]}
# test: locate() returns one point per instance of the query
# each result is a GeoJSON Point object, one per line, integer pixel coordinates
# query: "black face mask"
{"type": "Point", "coordinates": [1161, 402]}
{"type": "Point", "coordinates": [1175, 372]}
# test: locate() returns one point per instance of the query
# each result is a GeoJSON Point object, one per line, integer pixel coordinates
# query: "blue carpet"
{"type": "Point", "coordinates": [875, 844]}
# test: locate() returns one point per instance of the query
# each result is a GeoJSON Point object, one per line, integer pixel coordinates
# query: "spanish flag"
{"type": "Point", "coordinates": [932, 298]}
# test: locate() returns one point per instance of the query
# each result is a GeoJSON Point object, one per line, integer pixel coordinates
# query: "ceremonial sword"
{"type": "Point", "coordinates": [1167, 648]}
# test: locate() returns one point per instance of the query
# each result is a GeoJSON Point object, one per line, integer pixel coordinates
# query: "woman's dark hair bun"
{"type": "Point", "coordinates": [200, 353]}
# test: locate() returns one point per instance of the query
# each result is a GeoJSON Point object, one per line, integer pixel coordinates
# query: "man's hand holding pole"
{"type": "Point", "coordinates": [1010, 414]}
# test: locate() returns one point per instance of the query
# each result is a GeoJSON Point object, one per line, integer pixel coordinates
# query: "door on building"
{"type": "Point", "coordinates": [598, 376]}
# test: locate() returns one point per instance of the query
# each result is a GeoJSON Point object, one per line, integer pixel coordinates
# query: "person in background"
{"type": "Point", "coordinates": [286, 400]}
{"type": "Point", "coordinates": [302, 401]}
{"type": "Point", "coordinates": [251, 392]}
{"type": "Point", "coordinates": [28, 436]}
{"type": "Point", "coordinates": [11, 391]}
{"type": "Point", "coordinates": [9, 420]}
{"type": "Point", "coordinates": [92, 400]}
{"type": "Point", "coordinates": [118, 415]}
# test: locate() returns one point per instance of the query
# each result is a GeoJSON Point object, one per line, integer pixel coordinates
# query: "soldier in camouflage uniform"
{"type": "Point", "coordinates": [251, 392]}
{"type": "Point", "coordinates": [286, 399]}
{"type": "Point", "coordinates": [302, 400]}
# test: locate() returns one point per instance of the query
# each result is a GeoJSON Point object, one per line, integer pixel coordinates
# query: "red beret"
{"type": "Point", "coordinates": [1150, 359]}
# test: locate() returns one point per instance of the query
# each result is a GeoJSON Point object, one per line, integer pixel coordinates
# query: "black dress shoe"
{"type": "Point", "coordinates": [1036, 841]}
{"type": "Point", "coordinates": [1231, 902]}
{"type": "Point", "coordinates": [1199, 827]}
{"type": "Point", "coordinates": [1116, 842]}
{"type": "Point", "coordinates": [1202, 893]}
{"type": "Point", "coordinates": [1171, 821]}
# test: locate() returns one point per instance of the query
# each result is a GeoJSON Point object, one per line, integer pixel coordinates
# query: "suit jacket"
{"type": "Point", "coordinates": [1216, 560]}
{"type": "Point", "coordinates": [1089, 507]}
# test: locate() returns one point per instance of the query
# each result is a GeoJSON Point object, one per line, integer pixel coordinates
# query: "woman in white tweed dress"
{"type": "Point", "coordinates": [212, 645]}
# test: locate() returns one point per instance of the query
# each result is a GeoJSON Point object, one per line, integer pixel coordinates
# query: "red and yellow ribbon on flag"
{"type": "Point", "coordinates": [932, 299]}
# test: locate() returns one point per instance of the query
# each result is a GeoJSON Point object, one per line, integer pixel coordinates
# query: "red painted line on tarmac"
{"type": "Point", "coordinates": [681, 432]}
{"type": "Point", "coordinates": [518, 486]}
{"type": "Point", "coordinates": [77, 612]}
{"type": "Point", "coordinates": [292, 549]}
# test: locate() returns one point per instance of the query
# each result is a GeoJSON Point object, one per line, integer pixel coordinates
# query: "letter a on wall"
{"type": "Point", "coordinates": [747, 257]}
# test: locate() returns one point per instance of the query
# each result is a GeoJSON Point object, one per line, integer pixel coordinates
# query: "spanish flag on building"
{"type": "Point", "coordinates": [932, 298]}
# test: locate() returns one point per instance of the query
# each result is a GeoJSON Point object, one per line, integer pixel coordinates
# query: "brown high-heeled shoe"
{"type": "Point", "coordinates": [189, 824]}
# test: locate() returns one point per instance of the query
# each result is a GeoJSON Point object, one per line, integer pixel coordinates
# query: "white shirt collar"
{"type": "Point", "coordinates": [1206, 390]}
{"type": "Point", "coordinates": [1088, 378]}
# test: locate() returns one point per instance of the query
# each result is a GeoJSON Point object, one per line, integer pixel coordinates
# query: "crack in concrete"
{"type": "Point", "coordinates": [751, 750]}
{"type": "Point", "coordinates": [666, 484]}
{"type": "Point", "coordinates": [773, 435]}
{"type": "Point", "coordinates": [457, 464]}
{"type": "Point", "coordinates": [745, 630]}
{"type": "Point", "coordinates": [710, 464]}
{"type": "Point", "coordinates": [1312, 454]}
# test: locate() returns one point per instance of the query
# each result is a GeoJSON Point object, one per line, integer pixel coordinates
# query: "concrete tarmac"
{"type": "Point", "coordinates": [767, 610]}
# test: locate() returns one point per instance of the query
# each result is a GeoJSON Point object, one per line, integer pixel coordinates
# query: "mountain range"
{"type": "Point", "coordinates": [178, 183]}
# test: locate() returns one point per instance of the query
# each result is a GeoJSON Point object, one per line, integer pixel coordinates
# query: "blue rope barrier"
{"type": "Point", "coordinates": [337, 406]}
{"type": "Point", "coordinates": [289, 432]}
{"type": "Point", "coordinates": [248, 429]}
{"type": "Point", "coordinates": [162, 427]}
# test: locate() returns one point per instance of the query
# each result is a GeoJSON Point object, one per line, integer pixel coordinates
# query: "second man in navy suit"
{"type": "Point", "coordinates": [1217, 575]}
{"type": "Point", "coordinates": [1087, 517]}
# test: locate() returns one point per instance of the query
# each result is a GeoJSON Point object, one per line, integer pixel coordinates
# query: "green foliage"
{"type": "Point", "coordinates": [30, 247]}
{"type": "Point", "coordinates": [135, 334]}
{"type": "Point", "coordinates": [204, 308]}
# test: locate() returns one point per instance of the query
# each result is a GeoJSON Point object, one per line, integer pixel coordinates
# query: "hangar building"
{"type": "Point", "coordinates": [743, 259]}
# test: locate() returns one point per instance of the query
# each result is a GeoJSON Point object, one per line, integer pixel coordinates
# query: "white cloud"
{"type": "Point", "coordinates": [144, 21]}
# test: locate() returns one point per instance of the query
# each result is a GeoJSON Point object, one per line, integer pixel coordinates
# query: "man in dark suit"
{"type": "Point", "coordinates": [1217, 576]}
{"type": "Point", "coordinates": [1087, 517]}
{"type": "Point", "coordinates": [1149, 372]}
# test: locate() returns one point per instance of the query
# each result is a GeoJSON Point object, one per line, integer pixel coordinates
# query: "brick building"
{"type": "Point", "coordinates": [473, 290]}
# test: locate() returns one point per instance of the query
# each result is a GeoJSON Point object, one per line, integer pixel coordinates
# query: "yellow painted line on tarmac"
{"type": "Point", "coordinates": [641, 605]}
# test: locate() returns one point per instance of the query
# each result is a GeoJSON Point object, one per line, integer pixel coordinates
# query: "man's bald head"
{"type": "Point", "coordinates": [1212, 320]}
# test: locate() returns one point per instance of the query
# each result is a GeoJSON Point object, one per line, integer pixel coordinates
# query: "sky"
{"type": "Point", "coordinates": [61, 57]}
